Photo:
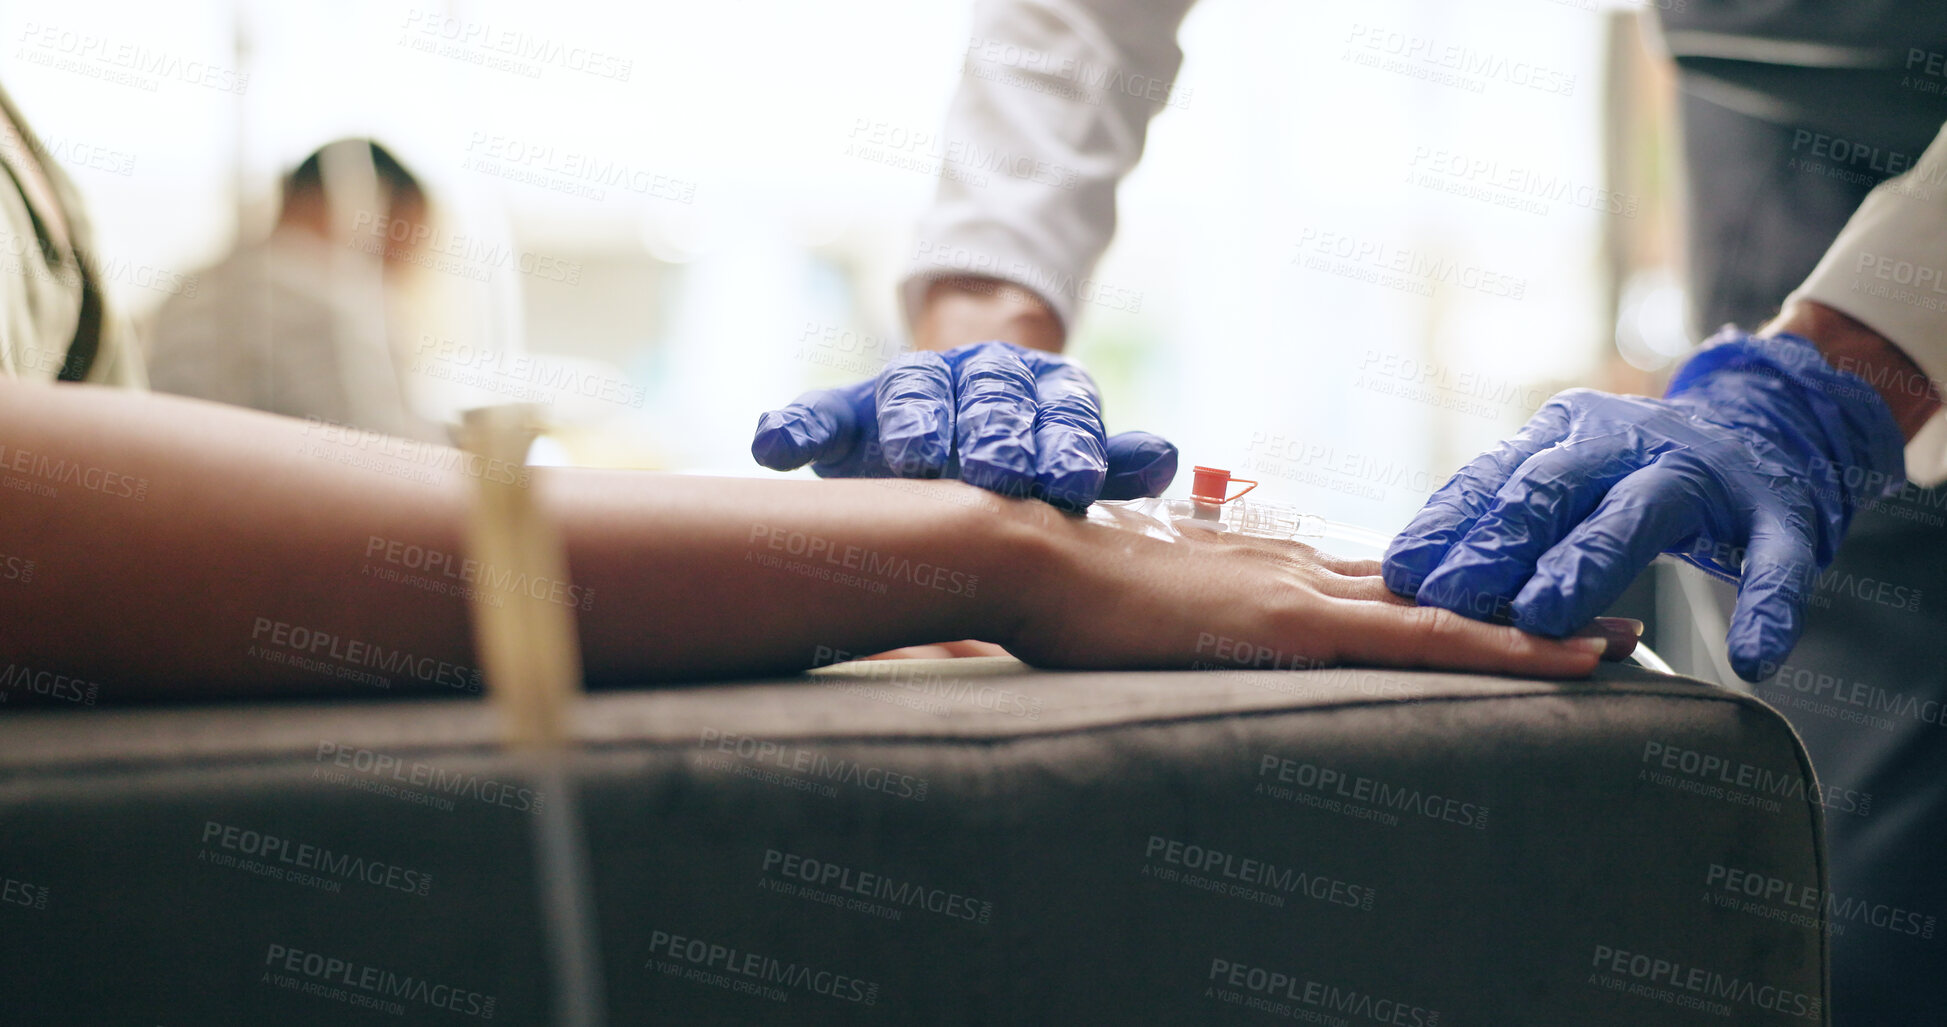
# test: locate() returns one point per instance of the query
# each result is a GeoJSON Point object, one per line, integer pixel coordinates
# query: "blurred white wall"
{"type": "Point", "coordinates": [663, 189]}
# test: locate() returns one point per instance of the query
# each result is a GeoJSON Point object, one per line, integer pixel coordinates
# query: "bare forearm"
{"type": "Point", "coordinates": [965, 309]}
{"type": "Point", "coordinates": [219, 545]}
{"type": "Point", "coordinates": [185, 547]}
{"type": "Point", "coordinates": [701, 577]}
{"type": "Point", "coordinates": [180, 547]}
{"type": "Point", "coordinates": [1850, 346]}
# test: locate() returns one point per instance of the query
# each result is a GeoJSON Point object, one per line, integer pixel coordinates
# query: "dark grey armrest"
{"type": "Point", "coordinates": [932, 842]}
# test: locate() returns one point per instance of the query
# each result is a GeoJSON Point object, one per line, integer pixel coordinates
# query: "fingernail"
{"type": "Point", "coordinates": [1624, 634]}
{"type": "Point", "coordinates": [1594, 644]}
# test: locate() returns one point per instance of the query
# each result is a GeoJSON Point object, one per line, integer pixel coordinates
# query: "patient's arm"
{"type": "Point", "coordinates": [182, 547]}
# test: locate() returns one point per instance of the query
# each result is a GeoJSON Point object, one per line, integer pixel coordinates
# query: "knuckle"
{"type": "Point", "coordinates": [1513, 644]}
{"type": "Point", "coordinates": [1080, 413]}
{"type": "Point", "coordinates": [1245, 551]}
{"type": "Point", "coordinates": [1427, 620]}
{"type": "Point", "coordinates": [1289, 596]}
{"type": "Point", "coordinates": [1438, 626]}
{"type": "Point", "coordinates": [1078, 405]}
{"type": "Point", "coordinates": [994, 362]}
{"type": "Point", "coordinates": [915, 361]}
{"type": "Point", "coordinates": [1297, 551]}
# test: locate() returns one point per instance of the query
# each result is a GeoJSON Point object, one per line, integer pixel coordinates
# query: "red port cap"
{"type": "Point", "coordinates": [1208, 485]}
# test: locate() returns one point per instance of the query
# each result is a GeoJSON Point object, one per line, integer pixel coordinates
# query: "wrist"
{"type": "Point", "coordinates": [1850, 346]}
{"type": "Point", "coordinates": [1022, 546]}
{"type": "Point", "coordinates": [961, 309]}
{"type": "Point", "coordinates": [1832, 424]}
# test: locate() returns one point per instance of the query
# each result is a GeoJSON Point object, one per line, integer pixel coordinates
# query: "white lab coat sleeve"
{"type": "Point", "coordinates": [1888, 270]}
{"type": "Point", "coordinates": [1054, 102]}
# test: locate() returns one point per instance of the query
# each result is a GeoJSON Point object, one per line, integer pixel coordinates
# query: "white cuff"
{"type": "Point", "coordinates": [1888, 270]}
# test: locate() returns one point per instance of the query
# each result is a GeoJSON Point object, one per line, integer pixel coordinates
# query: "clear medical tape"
{"type": "Point", "coordinates": [1159, 518]}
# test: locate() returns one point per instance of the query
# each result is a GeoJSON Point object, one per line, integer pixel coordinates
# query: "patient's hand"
{"type": "Point", "coordinates": [1107, 597]}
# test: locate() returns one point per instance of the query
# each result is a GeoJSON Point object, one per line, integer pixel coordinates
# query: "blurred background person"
{"type": "Point", "coordinates": [312, 320]}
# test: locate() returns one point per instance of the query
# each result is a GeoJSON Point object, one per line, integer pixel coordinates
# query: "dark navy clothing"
{"type": "Point", "coordinates": [1779, 154]}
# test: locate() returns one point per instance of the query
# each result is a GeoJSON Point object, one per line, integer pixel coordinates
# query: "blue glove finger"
{"type": "Point", "coordinates": [995, 420]}
{"type": "Point", "coordinates": [1071, 458]}
{"type": "Point", "coordinates": [1140, 464]}
{"type": "Point", "coordinates": [1542, 501]}
{"type": "Point", "coordinates": [1451, 511]}
{"type": "Point", "coordinates": [817, 426]}
{"type": "Point", "coordinates": [1658, 508]}
{"type": "Point", "coordinates": [1780, 570]}
{"type": "Point", "coordinates": [914, 398]}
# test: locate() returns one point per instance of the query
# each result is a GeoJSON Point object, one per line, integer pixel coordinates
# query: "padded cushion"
{"type": "Point", "coordinates": [951, 841]}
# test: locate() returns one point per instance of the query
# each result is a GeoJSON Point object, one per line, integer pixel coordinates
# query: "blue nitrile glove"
{"type": "Point", "coordinates": [1012, 420]}
{"type": "Point", "coordinates": [1752, 466]}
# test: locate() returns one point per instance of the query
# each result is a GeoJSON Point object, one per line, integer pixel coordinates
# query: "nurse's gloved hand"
{"type": "Point", "coordinates": [1016, 421]}
{"type": "Point", "coordinates": [1752, 465]}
